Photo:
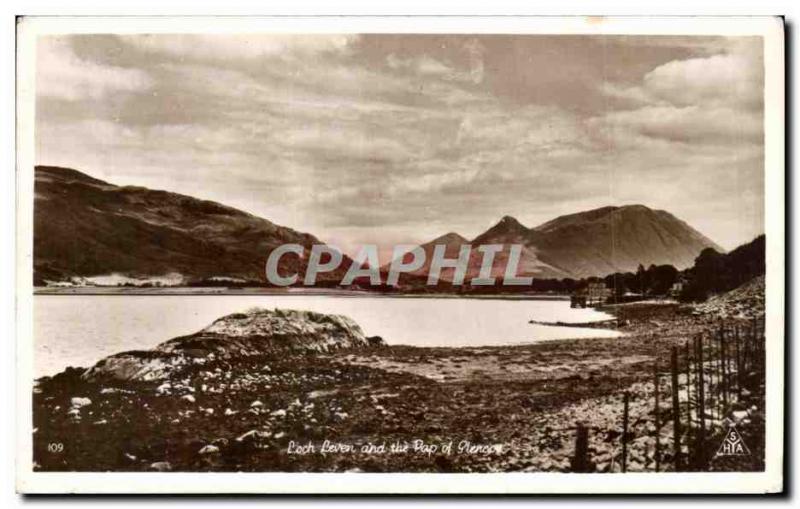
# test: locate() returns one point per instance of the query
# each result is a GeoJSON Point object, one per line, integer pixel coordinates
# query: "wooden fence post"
{"type": "Point", "coordinates": [580, 462]}
{"type": "Point", "coordinates": [701, 409]}
{"type": "Point", "coordinates": [725, 372]}
{"type": "Point", "coordinates": [746, 352]}
{"type": "Point", "coordinates": [676, 409]}
{"type": "Point", "coordinates": [688, 369]}
{"type": "Point", "coordinates": [738, 365]}
{"type": "Point", "coordinates": [711, 372]}
{"type": "Point", "coordinates": [720, 389]}
{"type": "Point", "coordinates": [625, 432]}
{"type": "Point", "coordinates": [656, 414]}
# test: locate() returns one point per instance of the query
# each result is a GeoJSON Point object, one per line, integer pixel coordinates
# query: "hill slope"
{"type": "Point", "coordinates": [86, 227]}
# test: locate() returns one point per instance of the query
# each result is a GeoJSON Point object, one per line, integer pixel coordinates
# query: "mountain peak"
{"type": "Point", "coordinates": [509, 223]}
{"type": "Point", "coordinates": [637, 207]}
{"type": "Point", "coordinates": [506, 226]}
{"type": "Point", "coordinates": [449, 238]}
{"type": "Point", "coordinates": [510, 220]}
{"type": "Point", "coordinates": [590, 216]}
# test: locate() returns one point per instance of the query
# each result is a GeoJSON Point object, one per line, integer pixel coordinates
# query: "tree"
{"type": "Point", "coordinates": [661, 278]}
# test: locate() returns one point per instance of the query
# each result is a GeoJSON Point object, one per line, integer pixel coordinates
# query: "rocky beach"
{"type": "Point", "coordinates": [291, 391]}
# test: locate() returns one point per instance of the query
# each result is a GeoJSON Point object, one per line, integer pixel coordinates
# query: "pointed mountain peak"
{"type": "Point", "coordinates": [449, 238]}
{"type": "Point", "coordinates": [506, 226]}
{"type": "Point", "coordinates": [511, 223]}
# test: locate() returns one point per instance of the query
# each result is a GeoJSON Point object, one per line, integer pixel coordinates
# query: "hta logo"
{"type": "Point", "coordinates": [733, 445]}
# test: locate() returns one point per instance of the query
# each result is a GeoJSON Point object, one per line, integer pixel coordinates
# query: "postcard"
{"type": "Point", "coordinates": [427, 255]}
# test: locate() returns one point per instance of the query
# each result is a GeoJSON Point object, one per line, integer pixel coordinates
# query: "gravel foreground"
{"type": "Point", "coordinates": [356, 405]}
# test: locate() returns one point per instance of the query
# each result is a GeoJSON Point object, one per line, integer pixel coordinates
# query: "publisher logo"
{"type": "Point", "coordinates": [733, 445]}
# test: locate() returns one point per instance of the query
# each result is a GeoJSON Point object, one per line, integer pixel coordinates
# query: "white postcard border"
{"type": "Point", "coordinates": [771, 480]}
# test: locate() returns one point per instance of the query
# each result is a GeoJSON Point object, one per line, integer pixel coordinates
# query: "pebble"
{"type": "Point", "coordinates": [78, 402]}
{"type": "Point", "coordinates": [209, 449]}
{"type": "Point", "coordinates": [739, 415]}
{"type": "Point", "coordinates": [252, 435]}
{"type": "Point", "coordinates": [161, 466]}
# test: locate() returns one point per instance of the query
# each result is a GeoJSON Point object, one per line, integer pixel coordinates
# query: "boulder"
{"type": "Point", "coordinates": [256, 332]}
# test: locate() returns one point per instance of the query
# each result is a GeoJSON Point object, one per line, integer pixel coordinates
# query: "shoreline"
{"type": "Point", "coordinates": [274, 292]}
{"type": "Point", "coordinates": [610, 324]}
{"type": "Point", "coordinates": [514, 329]}
{"type": "Point", "coordinates": [244, 414]}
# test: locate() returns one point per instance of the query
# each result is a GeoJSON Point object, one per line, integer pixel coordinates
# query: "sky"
{"type": "Point", "coordinates": [401, 138]}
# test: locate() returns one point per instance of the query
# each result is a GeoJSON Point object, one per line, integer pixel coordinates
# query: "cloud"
{"type": "Point", "coordinates": [250, 47]}
{"type": "Point", "coordinates": [344, 142]}
{"type": "Point", "coordinates": [421, 65]}
{"type": "Point", "coordinates": [733, 78]}
{"type": "Point", "coordinates": [685, 124]}
{"type": "Point", "coordinates": [407, 134]}
{"type": "Point", "coordinates": [719, 78]}
{"type": "Point", "coordinates": [61, 74]}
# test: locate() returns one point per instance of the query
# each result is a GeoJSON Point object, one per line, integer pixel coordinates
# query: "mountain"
{"type": "Point", "coordinates": [592, 243]}
{"type": "Point", "coordinates": [452, 242]}
{"type": "Point", "coordinates": [87, 227]}
{"type": "Point", "coordinates": [614, 239]}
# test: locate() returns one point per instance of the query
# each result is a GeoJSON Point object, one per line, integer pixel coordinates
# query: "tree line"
{"type": "Point", "coordinates": [712, 272]}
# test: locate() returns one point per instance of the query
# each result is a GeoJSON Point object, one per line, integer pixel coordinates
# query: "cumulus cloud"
{"type": "Point", "coordinates": [734, 77]}
{"type": "Point", "coordinates": [719, 78]}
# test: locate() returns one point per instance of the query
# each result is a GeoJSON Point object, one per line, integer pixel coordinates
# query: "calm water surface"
{"type": "Point", "coordinates": [79, 330]}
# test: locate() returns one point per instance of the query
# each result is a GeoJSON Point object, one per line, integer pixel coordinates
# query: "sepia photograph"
{"type": "Point", "coordinates": [530, 246]}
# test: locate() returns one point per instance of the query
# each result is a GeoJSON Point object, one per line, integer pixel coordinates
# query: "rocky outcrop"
{"type": "Point", "coordinates": [256, 332]}
{"type": "Point", "coordinates": [744, 302]}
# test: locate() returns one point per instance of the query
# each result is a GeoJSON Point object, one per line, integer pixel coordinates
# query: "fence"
{"type": "Point", "coordinates": [704, 380]}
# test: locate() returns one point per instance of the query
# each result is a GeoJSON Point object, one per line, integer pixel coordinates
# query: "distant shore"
{"type": "Point", "coordinates": [286, 292]}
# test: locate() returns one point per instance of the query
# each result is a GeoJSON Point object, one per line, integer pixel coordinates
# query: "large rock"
{"type": "Point", "coordinates": [256, 332]}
